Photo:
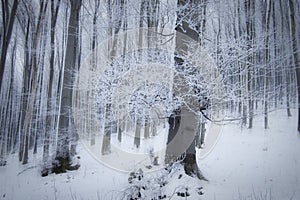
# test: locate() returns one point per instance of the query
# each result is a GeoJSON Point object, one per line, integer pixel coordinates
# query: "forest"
{"type": "Point", "coordinates": [117, 73]}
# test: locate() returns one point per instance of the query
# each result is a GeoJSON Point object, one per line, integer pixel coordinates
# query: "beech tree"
{"type": "Point", "coordinates": [67, 133]}
{"type": "Point", "coordinates": [186, 25]}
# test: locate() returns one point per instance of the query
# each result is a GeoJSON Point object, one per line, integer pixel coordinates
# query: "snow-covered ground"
{"type": "Point", "coordinates": [250, 163]}
{"type": "Point", "coordinates": [245, 164]}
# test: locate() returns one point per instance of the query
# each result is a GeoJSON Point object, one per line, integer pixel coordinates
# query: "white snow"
{"type": "Point", "coordinates": [245, 164]}
{"type": "Point", "coordinates": [91, 181]}
{"type": "Point", "coordinates": [252, 162]}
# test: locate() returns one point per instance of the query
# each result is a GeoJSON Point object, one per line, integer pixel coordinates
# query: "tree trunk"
{"type": "Point", "coordinates": [250, 14]}
{"type": "Point", "coordinates": [49, 117]}
{"type": "Point", "coordinates": [137, 135]}
{"type": "Point", "coordinates": [25, 90]}
{"type": "Point", "coordinates": [67, 131]}
{"type": "Point", "coordinates": [182, 129]}
{"type": "Point", "coordinates": [107, 130]}
{"type": "Point", "coordinates": [267, 70]}
{"type": "Point", "coordinates": [37, 38]}
{"type": "Point", "coordinates": [147, 127]}
{"type": "Point", "coordinates": [295, 38]}
{"type": "Point", "coordinates": [174, 123]}
{"type": "Point", "coordinates": [7, 35]}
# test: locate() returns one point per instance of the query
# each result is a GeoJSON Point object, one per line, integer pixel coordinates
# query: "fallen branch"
{"type": "Point", "coordinates": [26, 170]}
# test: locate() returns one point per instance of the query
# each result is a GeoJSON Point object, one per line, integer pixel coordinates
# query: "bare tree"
{"type": "Point", "coordinates": [49, 118]}
{"type": "Point", "coordinates": [189, 26]}
{"type": "Point", "coordinates": [67, 131]}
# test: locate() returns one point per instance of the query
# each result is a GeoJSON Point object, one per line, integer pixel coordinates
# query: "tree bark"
{"type": "Point", "coordinates": [267, 70]}
{"type": "Point", "coordinates": [67, 131]}
{"type": "Point", "coordinates": [137, 134]}
{"type": "Point", "coordinates": [37, 38]}
{"type": "Point", "coordinates": [54, 13]}
{"type": "Point", "coordinates": [295, 38]}
{"type": "Point", "coordinates": [182, 129]}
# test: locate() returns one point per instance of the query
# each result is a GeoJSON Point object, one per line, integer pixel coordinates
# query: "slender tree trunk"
{"type": "Point", "coordinates": [94, 66]}
{"type": "Point", "coordinates": [250, 15]}
{"type": "Point", "coordinates": [49, 118]}
{"type": "Point", "coordinates": [267, 67]}
{"type": "Point", "coordinates": [7, 133]}
{"type": "Point", "coordinates": [37, 38]}
{"type": "Point", "coordinates": [295, 38]}
{"type": "Point", "coordinates": [147, 127]}
{"type": "Point", "coordinates": [107, 131]}
{"type": "Point", "coordinates": [25, 90]}
{"type": "Point", "coordinates": [286, 64]}
{"type": "Point", "coordinates": [112, 32]}
{"type": "Point", "coordinates": [7, 35]}
{"type": "Point", "coordinates": [12, 123]}
{"type": "Point", "coordinates": [137, 135]}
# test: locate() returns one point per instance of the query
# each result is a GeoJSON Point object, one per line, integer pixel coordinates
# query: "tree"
{"type": "Point", "coordinates": [267, 60]}
{"type": "Point", "coordinates": [184, 121]}
{"type": "Point", "coordinates": [36, 40]}
{"type": "Point", "coordinates": [67, 131]}
{"type": "Point", "coordinates": [250, 29]}
{"type": "Point", "coordinates": [285, 37]}
{"type": "Point", "coordinates": [295, 52]}
{"type": "Point", "coordinates": [115, 12]}
{"type": "Point", "coordinates": [50, 107]}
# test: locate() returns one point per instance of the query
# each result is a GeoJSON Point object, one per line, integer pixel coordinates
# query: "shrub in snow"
{"type": "Point", "coordinates": [161, 184]}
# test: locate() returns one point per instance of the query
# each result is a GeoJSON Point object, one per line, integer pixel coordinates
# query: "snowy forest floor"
{"type": "Point", "coordinates": [256, 163]}
{"type": "Point", "coordinates": [246, 164]}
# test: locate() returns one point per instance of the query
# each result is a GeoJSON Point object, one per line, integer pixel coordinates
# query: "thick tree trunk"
{"type": "Point", "coordinates": [174, 123]}
{"type": "Point", "coordinates": [182, 129]}
{"type": "Point", "coordinates": [189, 161]}
{"type": "Point", "coordinates": [67, 131]}
{"type": "Point", "coordinates": [183, 125]}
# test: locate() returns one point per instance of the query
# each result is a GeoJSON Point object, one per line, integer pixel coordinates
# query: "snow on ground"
{"type": "Point", "coordinates": [245, 164]}
{"type": "Point", "coordinates": [252, 162]}
{"type": "Point", "coordinates": [125, 156]}
{"type": "Point", "coordinates": [91, 181]}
